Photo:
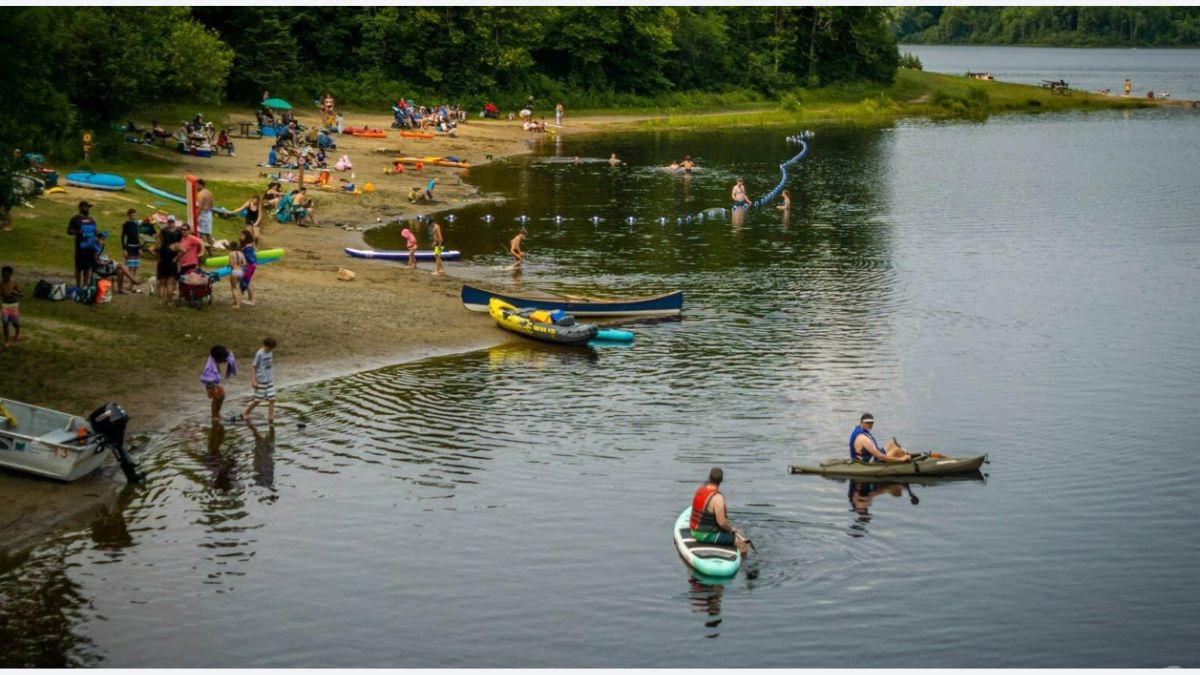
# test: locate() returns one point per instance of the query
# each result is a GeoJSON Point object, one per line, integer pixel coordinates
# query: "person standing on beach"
{"type": "Point", "coordinates": [189, 247]}
{"type": "Point", "coordinates": [10, 311]}
{"type": "Point", "coordinates": [131, 244]}
{"type": "Point", "coordinates": [1128, 86]}
{"type": "Point", "coordinates": [558, 112]}
{"type": "Point", "coordinates": [514, 247]}
{"type": "Point", "coordinates": [411, 243]}
{"type": "Point", "coordinates": [211, 377]}
{"type": "Point", "coordinates": [437, 249]}
{"type": "Point", "coordinates": [262, 377]}
{"type": "Point", "coordinates": [204, 207]}
{"type": "Point", "coordinates": [429, 187]}
{"type": "Point", "coordinates": [83, 228]}
{"type": "Point", "coordinates": [167, 271]}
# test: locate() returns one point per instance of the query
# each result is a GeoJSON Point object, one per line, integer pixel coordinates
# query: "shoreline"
{"type": "Point", "coordinates": [148, 357]}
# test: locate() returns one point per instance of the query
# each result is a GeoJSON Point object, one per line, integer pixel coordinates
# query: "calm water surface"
{"type": "Point", "coordinates": [1176, 71]}
{"type": "Point", "coordinates": [1024, 287]}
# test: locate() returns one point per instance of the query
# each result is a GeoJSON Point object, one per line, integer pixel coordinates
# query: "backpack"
{"type": "Point", "coordinates": [41, 290]}
{"type": "Point", "coordinates": [87, 294]}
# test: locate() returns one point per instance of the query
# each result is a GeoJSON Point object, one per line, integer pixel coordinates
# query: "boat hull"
{"type": "Point", "coordinates": [476, 300]}
{"type": "Point", "coordinates": [927, 466]}
{"type": "Point", "coordinates": [47, 443]}
{"type": "Point", "coordinates": [508, 318]}
{"type": "Point", "coordinates": [424, 256]}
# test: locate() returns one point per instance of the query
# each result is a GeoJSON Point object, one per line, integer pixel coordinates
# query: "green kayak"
{"type": "Point", "coordinates": [921, 465]}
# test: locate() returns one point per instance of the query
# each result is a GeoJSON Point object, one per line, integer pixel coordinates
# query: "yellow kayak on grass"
{"type": "Point", "coordinates": [540, 325]}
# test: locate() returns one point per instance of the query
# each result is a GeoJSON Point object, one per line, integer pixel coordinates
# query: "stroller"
{"type": "Point", "coordinates": [194, 288]}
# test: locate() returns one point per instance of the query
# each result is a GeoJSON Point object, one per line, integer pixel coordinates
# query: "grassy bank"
{"type": "Point", "coordinates": [914, 93]}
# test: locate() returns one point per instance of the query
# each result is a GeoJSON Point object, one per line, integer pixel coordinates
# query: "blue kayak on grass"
{"type": "Point", "coordinates": [96, 181]}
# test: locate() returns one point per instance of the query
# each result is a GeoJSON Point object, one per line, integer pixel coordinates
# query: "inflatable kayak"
{"type": "Point", "coordinates": [96, 181]}
{"type": "Point", "coordinates": [712, 560]}
{"type": "Point", "coordinates": [171, 196]}
{"type": "Point", "coordinates": [921, 465]}
{"type": "Point", "coordinates": [539, 325]}
{"type": "Point", "coordinates": [263, 256]}
{"type": "Point", "coordinates": [400, 255]}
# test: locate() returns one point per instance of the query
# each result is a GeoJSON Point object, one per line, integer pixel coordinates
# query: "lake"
{"type": "Point", "coordinates": [1023, 287]}
{"type": "Point", "coordinates": [1176, 71]}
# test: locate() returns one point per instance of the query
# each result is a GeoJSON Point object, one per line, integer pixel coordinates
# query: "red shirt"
{"type": "Point", "coordinates": [189, 251]}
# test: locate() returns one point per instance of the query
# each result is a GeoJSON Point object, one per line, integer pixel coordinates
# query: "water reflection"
{"type": "Point", "coordinates": [705, 597]}
{"type": "Point", "coordinates": [862, 494]}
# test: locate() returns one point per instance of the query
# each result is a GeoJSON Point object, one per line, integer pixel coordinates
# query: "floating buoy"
{"type": "Point", "coordinates": [662, 220]}
{"type": "Point", "coordinates": [595, 219]}
{"type": "Point", "coordinates": [523, 218]}
{"type": "Point", "coordinates": [558, 219]}
{"type": "Point", "coordinates": [629, 220]}
{"type": "Point", "coordinates": [488, 218]}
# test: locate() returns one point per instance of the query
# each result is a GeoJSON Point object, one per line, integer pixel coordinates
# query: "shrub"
{"type": "Point", "coordinates": [910, 60]}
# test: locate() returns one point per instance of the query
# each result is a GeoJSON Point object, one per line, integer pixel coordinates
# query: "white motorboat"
{"type": "Point", "coordinates": [59, 445]}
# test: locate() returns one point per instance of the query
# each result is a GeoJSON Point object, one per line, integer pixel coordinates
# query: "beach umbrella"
{"type": "Point", "coordinates": [277, 103]}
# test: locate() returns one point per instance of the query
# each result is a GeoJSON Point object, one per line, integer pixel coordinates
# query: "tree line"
{"type": "Point", "coordinates": [1051, 26]}
{"type": "Point", "coordinates": [69, 69]}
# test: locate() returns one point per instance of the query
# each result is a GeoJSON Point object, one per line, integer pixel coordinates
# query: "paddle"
{"type": "Point", "coordinates": [911, 497]}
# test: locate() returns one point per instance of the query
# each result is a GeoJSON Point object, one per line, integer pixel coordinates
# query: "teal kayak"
{"type": "Point", "coordinates": [921, 465]}
{"type": "Point", "coordinates": [711, 560]}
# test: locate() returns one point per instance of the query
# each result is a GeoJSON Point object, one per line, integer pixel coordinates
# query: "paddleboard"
{"type": "Point", "coordinates": [401, 256]}
{"type": "Point", "coordinates": [96, 181]}
{"type": "Point", "coordinates": [263, 256]}
{"type": "Point", "coordinates": [708, 559]}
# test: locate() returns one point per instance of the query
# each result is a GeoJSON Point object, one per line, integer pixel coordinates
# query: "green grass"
{"type": "Point", "coordinates": [913, 94]}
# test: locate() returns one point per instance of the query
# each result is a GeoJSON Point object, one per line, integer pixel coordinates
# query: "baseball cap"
{"type": "Point", "coordinates": [866, 417]}
{"type": "Point", "coordinates": [85, 204]}
{"type": "Point", "coordinates": [170, 219]}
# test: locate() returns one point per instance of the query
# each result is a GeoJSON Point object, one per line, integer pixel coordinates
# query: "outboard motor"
{"type": "Point", "coordinates": [109, 421]}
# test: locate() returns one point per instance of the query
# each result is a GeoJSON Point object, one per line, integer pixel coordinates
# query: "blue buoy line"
{"type": "Point", "coordinates": [798, 139]}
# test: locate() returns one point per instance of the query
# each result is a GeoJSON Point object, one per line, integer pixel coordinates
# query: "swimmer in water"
{"type": "Point", "coordinates": [687, 164]}
{"type": "Point", "coordinates": [787, 202]}
{"type": "Point", "coordinates": [673, 167]}
{"type": "Point", "coordinates": [612, 160]}
{"type": "Point", "coordinates": [739, 194]}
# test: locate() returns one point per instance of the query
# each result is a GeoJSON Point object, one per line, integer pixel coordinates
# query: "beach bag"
{"type": "Point", "coordinates": [58, 292]}
{"type": "Point", "coordinates": [103, 291]}
{"type": "Point", "coordinates": [86, 294]}
{"type": "Point", "coordinates": [41, 290]}
{"type": "Point", "coordinates": [343, 164]}
{"type": "Point", "coordinates": [541, 316]}
{"type": "Point", "coordinates": [561, 318]}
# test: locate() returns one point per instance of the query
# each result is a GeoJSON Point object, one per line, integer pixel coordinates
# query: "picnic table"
{"type": "Point", "coordinates": [1057, 86]}
{"type": "Point", "coordinates": [246, 126]}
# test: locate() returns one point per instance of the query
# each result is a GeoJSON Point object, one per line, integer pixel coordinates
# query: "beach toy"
{"type": "Point", "coordinates": [419, 165]}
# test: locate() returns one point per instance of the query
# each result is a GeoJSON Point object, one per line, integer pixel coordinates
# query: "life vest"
{"type": "Point", "coordinates": [702, 520]}
{"type": "Point", "coordinates": [867, 457]}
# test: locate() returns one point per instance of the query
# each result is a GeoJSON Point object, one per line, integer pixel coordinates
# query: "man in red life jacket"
{"type": "Point", "coordinates": [709, 523]}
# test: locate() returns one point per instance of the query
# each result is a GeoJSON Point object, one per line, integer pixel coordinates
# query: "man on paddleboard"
{"type": "Point", "coordinates": [865, 448]}
{"type": "Point", "coordinates": [709, 523]}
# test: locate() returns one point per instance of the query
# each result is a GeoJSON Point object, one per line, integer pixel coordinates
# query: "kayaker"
{"type": "Point", "coordinates": [865, 448]}
{"type": "Point", "coordinates": [709, 523]}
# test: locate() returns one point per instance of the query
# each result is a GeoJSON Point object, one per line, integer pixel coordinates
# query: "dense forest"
{"type": "Point", "coordinates": [1051, 26]}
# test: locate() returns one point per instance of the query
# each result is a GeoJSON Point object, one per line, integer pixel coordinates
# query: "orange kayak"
{"type": "Point", "coordinates": [415, 134]}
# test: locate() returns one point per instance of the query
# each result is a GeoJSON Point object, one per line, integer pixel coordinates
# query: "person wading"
{"type": "Point", "coordinates": [864, 447]}
{"type": "Point", "coordinates": [709, 523]}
